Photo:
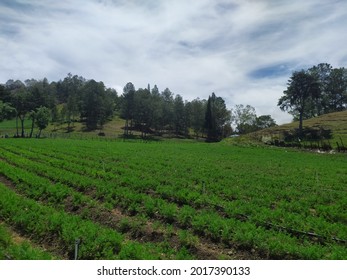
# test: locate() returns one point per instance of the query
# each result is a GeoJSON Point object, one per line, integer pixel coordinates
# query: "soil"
{"type": "Point", "coordinates": [204, 249]}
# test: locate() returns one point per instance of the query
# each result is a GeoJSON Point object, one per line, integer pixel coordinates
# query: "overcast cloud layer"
{"type": "Point", "coordinates": [243, 50]}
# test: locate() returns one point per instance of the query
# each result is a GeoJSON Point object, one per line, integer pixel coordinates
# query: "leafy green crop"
{"type": "Point", "coordinates": [275, 202]}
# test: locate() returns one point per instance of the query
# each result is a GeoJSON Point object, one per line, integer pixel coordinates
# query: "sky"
{"type": "Point", "coordinates": [242, 50]}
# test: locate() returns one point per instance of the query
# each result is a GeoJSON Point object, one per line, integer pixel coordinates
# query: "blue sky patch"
{"type": "Point", "coordinates": [271, 71]}
{"type": "Point", "coordinates": [15, 5]}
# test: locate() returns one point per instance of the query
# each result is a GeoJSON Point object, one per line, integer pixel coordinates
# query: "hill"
{"type": "Point", "coordinates": [334, 123]}
{"type": "Point", "coordinates": [112, 128]}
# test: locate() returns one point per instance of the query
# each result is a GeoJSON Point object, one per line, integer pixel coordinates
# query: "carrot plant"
{"type": "Point", "coordinates": [279, 203]}
{"type": "Point", "coordinates": [11, 249]}
{"type": "Point", "coordinates": [43, 222]}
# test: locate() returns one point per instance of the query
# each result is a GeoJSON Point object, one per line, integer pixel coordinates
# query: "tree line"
{"type": "Point", "coordinates": [151, 111]}
{"type": "Point", "coordinates": [318, 90]}
{"type": "Point", "coordinates": [75, 99]}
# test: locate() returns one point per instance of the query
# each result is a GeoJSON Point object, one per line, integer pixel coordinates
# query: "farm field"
{"type": "Point", "coordinates": [170, 200]}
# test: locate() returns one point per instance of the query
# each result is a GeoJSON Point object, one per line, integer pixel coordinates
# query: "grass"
{"type": "Point", "coordinates": [336, 122]}
{"type": "Point", "coordinates": [112, 128]}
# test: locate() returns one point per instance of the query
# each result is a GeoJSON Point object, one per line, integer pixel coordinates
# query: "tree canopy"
{"type": "Point", "coordinates": [217, 119]}
{"type": "Point", "coordinates": [318, 90]}
{"type": "Point", "coordinates": [246, 120]}
{"type": "Point", "coordinates": [76, 99]}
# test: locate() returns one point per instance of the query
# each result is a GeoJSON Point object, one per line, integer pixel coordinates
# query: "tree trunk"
{"type": "Point", "coordinates": [32, 127]}
{"type": "Point", "coordinates": [300, 125]}
{"type": "Point", "coordinates": [17, 134]}
{"type": "Point", "coordinates": [126, 127]}
{"type": "Point", "coordinates": [68, 126]}
{"type": "Point", "coordinates": [22, 124]}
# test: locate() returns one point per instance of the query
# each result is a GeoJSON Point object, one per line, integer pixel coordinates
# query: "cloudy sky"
{"type": "Point", "coordinates": [243, 50]}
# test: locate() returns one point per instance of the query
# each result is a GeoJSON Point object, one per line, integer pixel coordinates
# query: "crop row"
{"type": "Point", "coordinates": [46, 224]}
{"type": "Point", "coordinates": [11, 249]}
{"type": "Point", "coordinates": [210, 223]}
{"type": "Point", "coordinates": [282, 215]}
{"type": "Point", "coordinates": [65, 199]}
{"type": "Point", "coordinates": [119, 162]}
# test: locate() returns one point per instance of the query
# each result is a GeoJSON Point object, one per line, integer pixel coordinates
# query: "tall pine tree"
{"type": "Point", "coordinates": [217, 117]}
{"type": "Point", "coordinates": [210, 120]}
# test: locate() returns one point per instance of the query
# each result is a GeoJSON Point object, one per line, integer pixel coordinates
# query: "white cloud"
{"type": "Point", "coordinates": [195, 48]}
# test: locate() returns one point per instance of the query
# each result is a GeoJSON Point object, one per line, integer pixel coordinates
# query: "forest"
{"type": "Point", "coordinates": [318, 90]}
{"type": "Point", "coordinates": [75, 99]}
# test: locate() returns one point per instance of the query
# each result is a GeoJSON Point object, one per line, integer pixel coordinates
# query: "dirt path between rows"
{"type": "Point", "coordinates": [203, 249]}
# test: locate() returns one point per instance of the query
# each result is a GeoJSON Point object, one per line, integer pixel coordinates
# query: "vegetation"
{"type": "Point", "coordinates": [302, 87]}
{"type": "Point", "coordinates": [168, 200]}
{"type": "Point", "coordinates": [246, 119]}
{"type": "Point", "coordinates": [142, 199]}
{"type": "Point", "coordinates": [75, 100]}
{"type": "Point", "coordinates": [314, 92]}
{"type": "Point", "coordinates": [13, 247]}
{"type": "Point", "coordinates": [217, 119]}
{"type": "Point", "coordinates": [319, 90]}
{"type": "Point", "coordinates": [328, 130]}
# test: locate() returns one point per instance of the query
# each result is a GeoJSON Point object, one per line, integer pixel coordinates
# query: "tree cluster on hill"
{"type": "Point", "coordinates": [76, 99]}
{"type": "Point", "coordinates": [149, 110]}
{"type": "Point", "coordinates": [60, 102]}
{"type": "Point", "coordinates": [319, 90]}
{"type": "Point", "coordinates": [316, 91]}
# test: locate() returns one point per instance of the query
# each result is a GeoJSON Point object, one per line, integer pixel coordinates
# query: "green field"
{"type": "Point", "coordinates": [171, 200]}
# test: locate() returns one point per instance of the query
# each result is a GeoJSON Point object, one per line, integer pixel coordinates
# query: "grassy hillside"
{"type": "Point", "coordinates": [112, 128]}
{"type": "Point", "coordinates": [9, 127]}
{"type": "Point", "coordinates": [336, 122]}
